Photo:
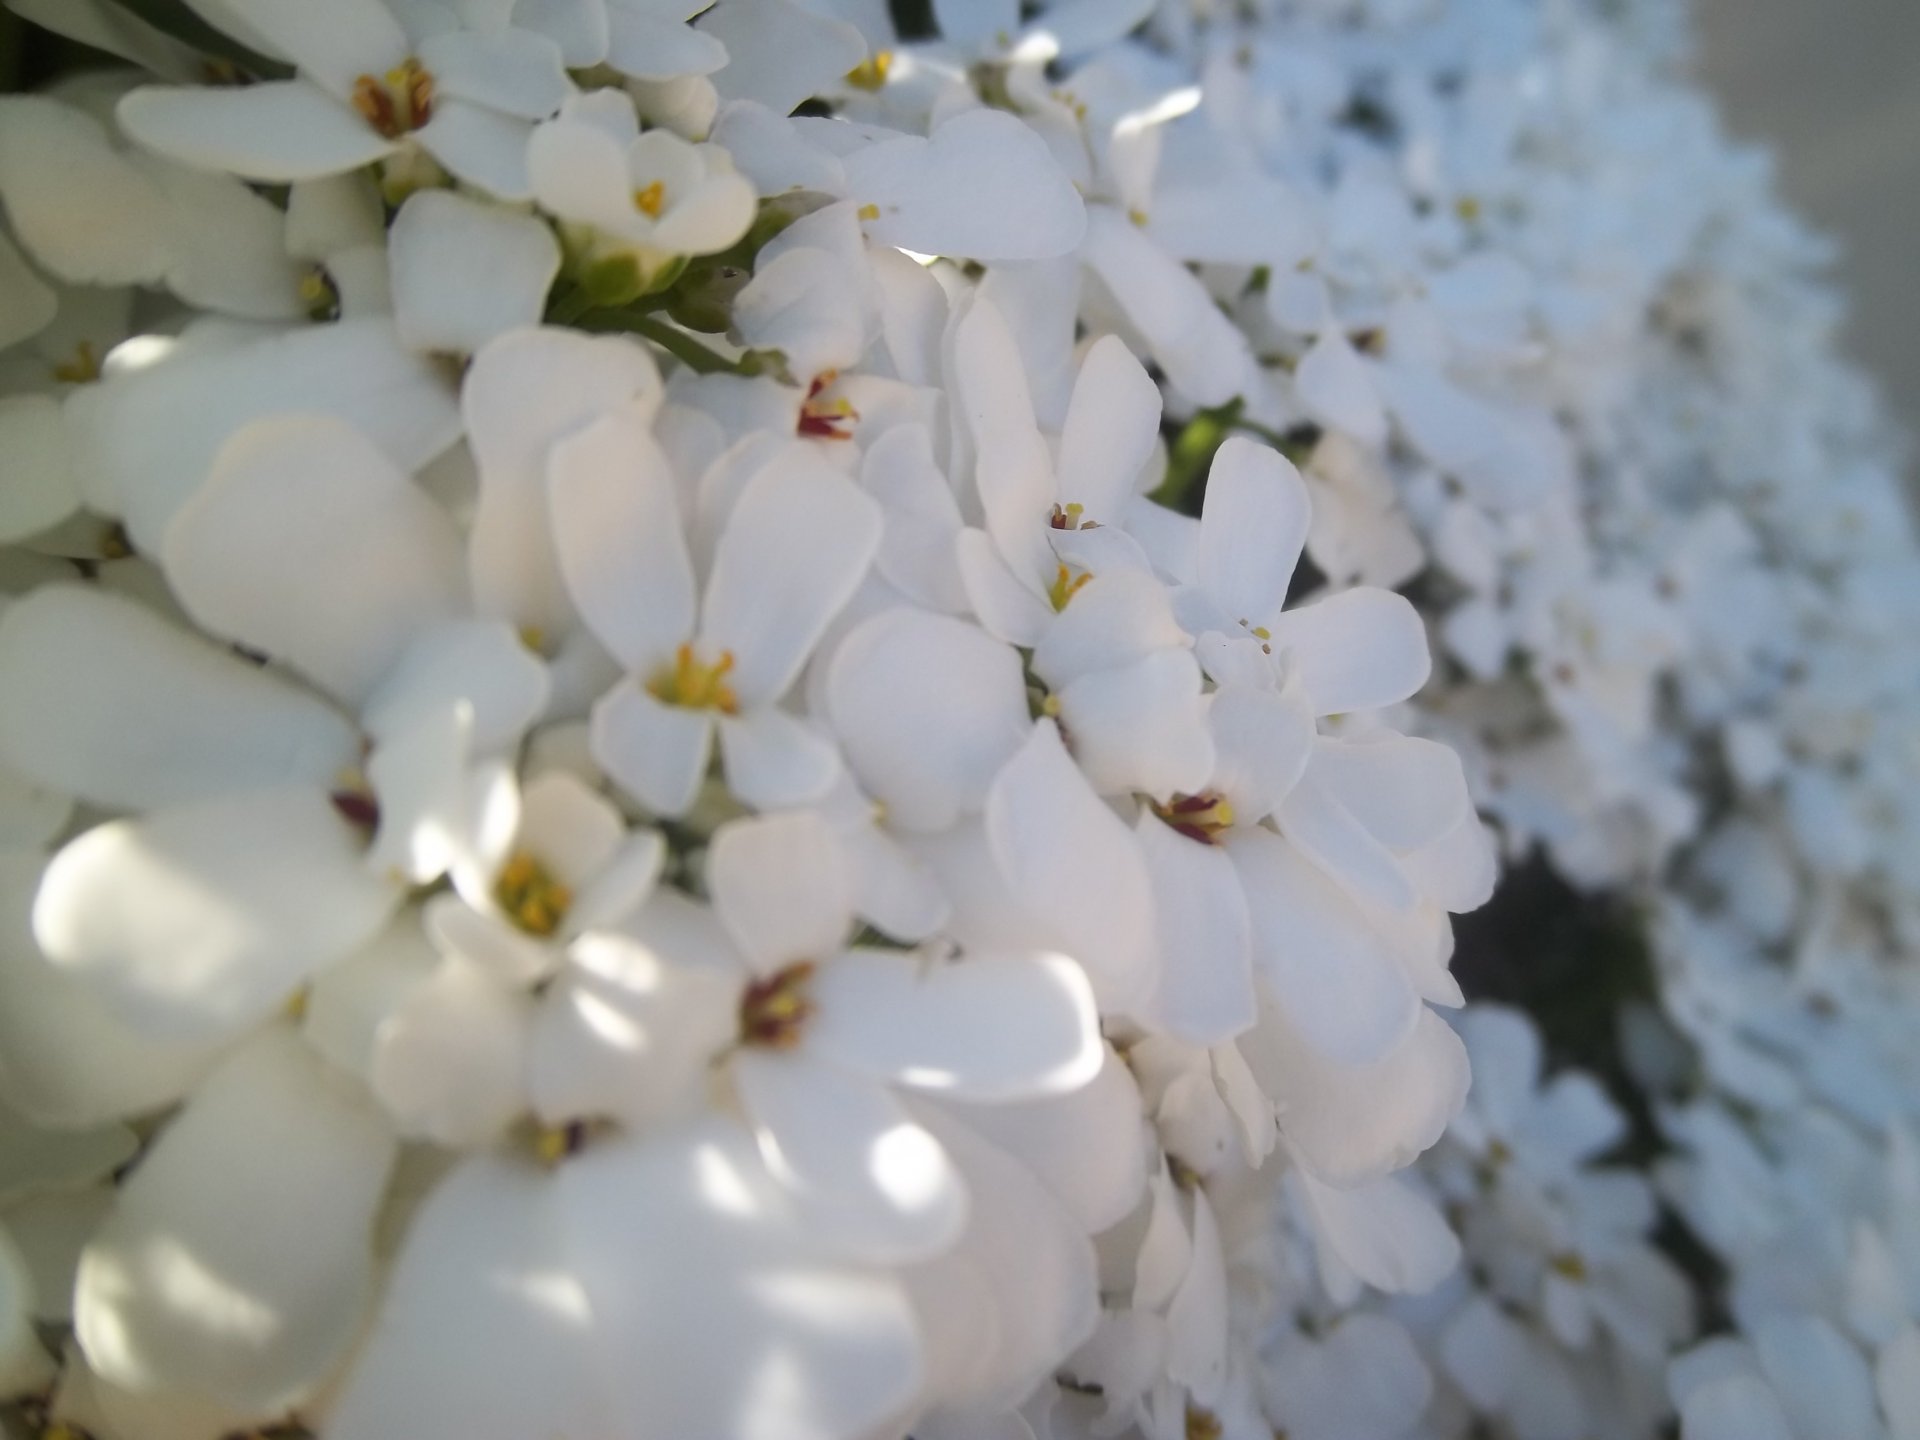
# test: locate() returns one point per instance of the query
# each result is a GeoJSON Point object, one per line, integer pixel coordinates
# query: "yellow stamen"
{"type": "Point", "coordinates": [1202, 817]}
{"type": "Point", "coordinates": [868, 212]}
{"type": "Point", "coordinates": [397, 103]}
{"type": "Point", "coordinates": [1203, 1424]}
{"type": "Point", "coordinates": [84, 367]}
{"type": "Point", "coordinates": [532, 898]}
{"type": "Point", "coordinates": [871, 73]}
{"type": "Point", "coordinates": [1570, 1266]}
{"type": "Point", "coordinates": [533, 637]}
{"type": "Point", "coordinates": [1467, 207]}
{"type": "Point", "coordinates": [651, 199]}
{"type": "Point", "coordinates": [1067, 583]}
{"type": "Point", "coordinates": [1138, 217]}
{"type": "Point", "coordinates": [773, 1011]}
{"type": "Point", "coordinates": [694, 685]}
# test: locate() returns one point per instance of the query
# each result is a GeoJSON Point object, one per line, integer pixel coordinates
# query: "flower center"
{"type": "Point", "coordinates": [82, 368]}
{"type": "Point", "coordinates": [697, 686]}
{"type": "Point", "coordinates": [397, 103]}
{"type": "Point", "coordinates": [532, 898]}
{"type": "Point", "coordinates": [1071, 517]}
{"type": "Point", "coordinates": [773, 1011]}
{"type": "Point", "coordinates": [1203, 817]}
{"type": "Point", "coordinates": [871, 73]}
{"type": "Point", "coordinates": [651, 199]}
{"type": "Point", "coordinates": [826, 419]}
{"type": "Point", "coordinates": [1067, 583]}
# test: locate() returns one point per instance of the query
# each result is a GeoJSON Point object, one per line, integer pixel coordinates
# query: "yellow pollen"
{"type": "Point", "coordinates": [1066, 584]}
{"type": "Point", "coordinates": [773, 1011]}
{"type": "Point", "coordinates": [533, 637]}
{"type": "Point", "coordinates": [1138, 217]}
{"type": "Point", "coordinates": [1050, 706]}
{"type": "Point", "coordinates": [1569, 1265]}
{"type": "Point", "coordinates": [1263, 632]}
{"type": "Point", "coordinates": [82, 368]}
{"type": "Point", "coordinates": [1198, 817]}
{"type": "Point", "coordinates": [694, 685]}
{"type": "Point", "coordinates": [532, 898]}
{"type": "Point", "coordinates": [650, 200]}
{"type": "Point", "coordinates": [296, 1006]}
{"type": "Point", "coordinates": [1467, 208]}
{"type": "Point", "coordinates": [397, 103]}
{"type": "Point", "coordinates": [871, 73]}
{"type": "Point", "coordinates": [868, 212]}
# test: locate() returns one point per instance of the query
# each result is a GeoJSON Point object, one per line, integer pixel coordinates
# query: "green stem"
{"type": "Point", "coordinates": [682, 346]}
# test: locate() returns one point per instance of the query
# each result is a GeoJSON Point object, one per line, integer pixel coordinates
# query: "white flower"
{"type": "Point", "coordinates": [373, 83]}
{"type": "Point", "coordinates": [712, 658]}
{"type": "Point", "coordinates": [629, 198]}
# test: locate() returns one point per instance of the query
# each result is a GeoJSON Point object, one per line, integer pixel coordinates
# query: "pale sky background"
{"type": "Point", "coordinates": [1834, 87]}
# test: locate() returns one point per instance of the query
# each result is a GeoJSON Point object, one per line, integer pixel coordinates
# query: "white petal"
{"type": "Point", "coordinates": [1822, 1380]}
{"type": "Point", "coordinates": [351, 1001]}
{"type": "Point", "coordinates": [514, 71]}
{"type": "Point", "coordinates": [240, 1255]}
{"type": "Point", "coordinates": [481, 147]}
{"type": "Point", "coordinates": [1262, 743]}
{"type": "Point", "coordinates": [1013, 472]}
{"type": "Point", "coordinates": [983, 186]}
{"type": "Point", "coordinates": [1112, 425]}
{"type": "Point", "coordinates": [782, 889]}
{"type": "Point", "coordinates": [1363, 1377]}
{"type": "Point", "coordinates": [200, 920]}
{"type": "Point", "coordinates": [479, 663]}
{"type": "Point", "coordinates": [1738, 1407]}
{"type": "Point", "coordinates": [1353, 1123]}
{"type": "Point", "coordinates": [1316, 824]}
{"type": "Point", "coordinates": [864, 1177]}
{"type": "Point", "coordinates": [1203, 354]}
{"type": "Point", "coordinates": [40, 490]}
{"type": "Point", "coordinates": [1142, 727]}
{"type": "Point", "coordinates": [66, 1059]}
{"type": "Point", "coordinates": [355, 38]}
{"type": "Point", "coordinates": [922, 518]}
{"type": "Point", "coordinates": [1389, 1235]}
{"type": "Point", "coordinates": [1253, 523]}
{"type": "Point", "coordinates": [87, 213]}
{"type": "Point", "coordinates": [1205, 990]}
{"type": "Point", "coordinates": [1408, 793]}
{"type": "Point", "coordinates": [988, 1027]}
{"type": "Point", "coordinates": [1337, 390]}
{"type": "Point", "coordinates": [27, 304]}
{"type": "Point", "coordinates": [773, 760]}
{"type": "Point", "coordinates": [276, 131]}
{"type": "Point", "coordinates": [1359, 650]}
{"type": "Point", "coordinates": [1008, 610]}
{"type": "Point", "coordinates": [1035, 1261]}
{"type": "Point", "coordinates": [1089, 1146]}
{"type": "Point", "coordinates": [779, 54]}
{"type": "Point", "coordinates": [448, 1063]}
{"type": "Point", "coordinates": [152, 435]}
{"type": "Point", "coordinates": [524, 392]}
{"type": "Point", "coordinates": [76, 662]}
{"type": "Point", "coordinates": [485, 1333]}
{"type": "Point", "coordinates": [308, 545]}
{"type": "Point", "coordinates": [1075, 865]}
{"type": "Point", "coordinates": [795, 548]}
{"type": "Point", "coordinates": [1197, 1315]}
{"type": "Point", "coordinates": [1113, 620]}
{"type": "Point", "coordinates": [1897, 1382]}
{"type": "Point", "coordinates": [655, 751]}
{"type": "Point", "coordinates": [629, 1032]}
{"type": "Point", "coordinates": [578, 27]}
{"type": "Point", "coordinates": [928, 708]}
{"type": "Point", "coordinates": [1336, 975]}
{"type": "Point", "coordinates": [653, 49]}
{"type": "Point", "coordinates": [464, 272]}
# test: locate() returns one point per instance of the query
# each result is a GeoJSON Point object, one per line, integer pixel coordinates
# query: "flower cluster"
{"type": "Point", "coordinates": [760, 719]}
